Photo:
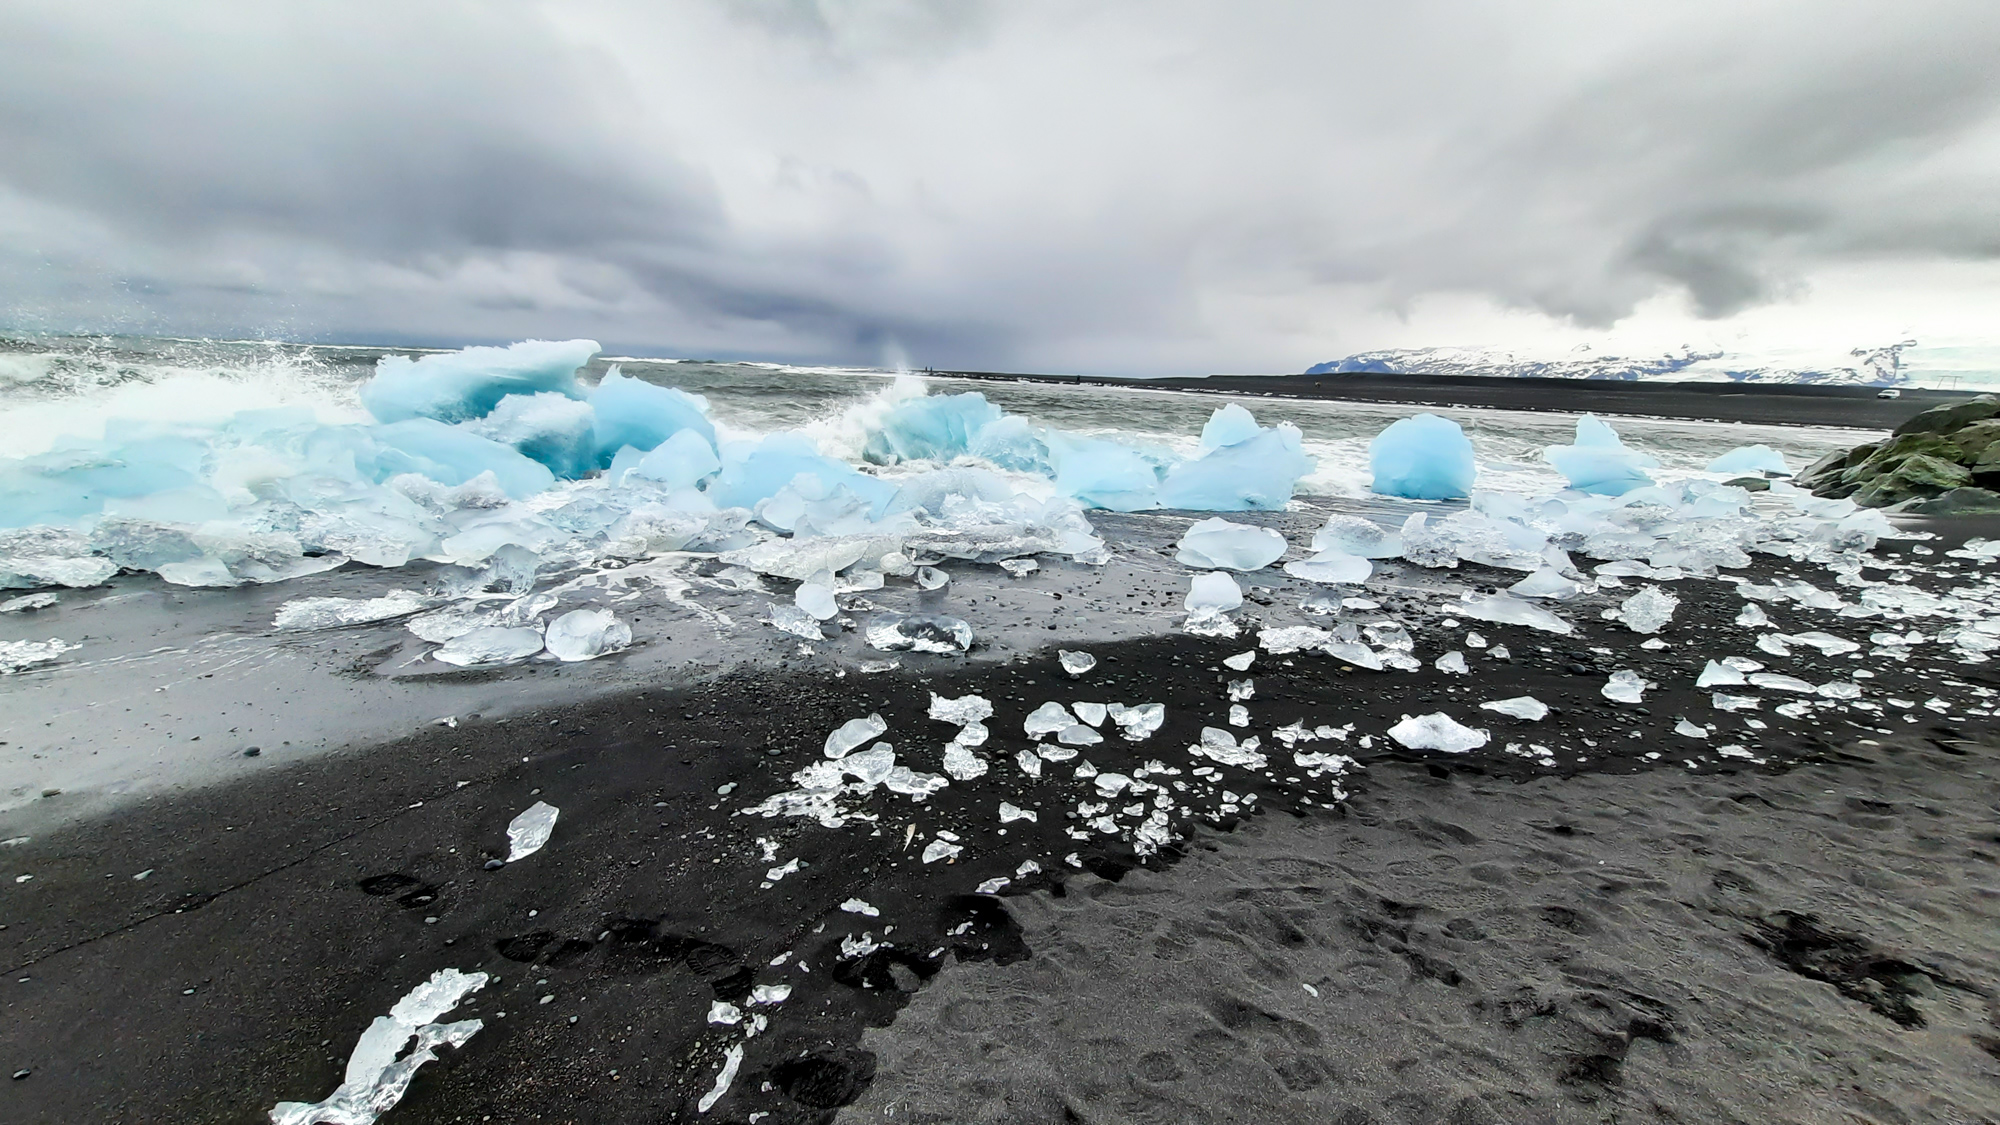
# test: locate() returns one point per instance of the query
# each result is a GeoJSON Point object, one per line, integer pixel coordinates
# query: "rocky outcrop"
{"type": "Point", "coordinates": [1946, 459]}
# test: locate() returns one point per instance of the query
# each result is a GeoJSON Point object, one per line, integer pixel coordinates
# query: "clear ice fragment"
{"type": "Point", "coordinates": [1771, 681]}
{"type": "Point", "coordinates": [1139, 723]}
{"type": "Point", "coordinates": [1240, 662]}
{"type": "Point", "coordinates": [1649, 610]}
{"type": "Point", "coordinates": [329, 613]}
{"type": "Point", "coordinates": [1453, 663]}
{"type": "Point", "coordinates": [1423, 457]}
{"type": "Point", "coordinates": [376, 1076]}
{"type": "Point", "coordinates": [816, 600]}
{"type": "Point", "coordinates": [964, 710]}
{"type": "Point", "coordinates": [1506, 609]}
{"type": "Point", "coordinates": [1690, 730]}
{"type": "Point", "coordinates": [1520, 707]}
{"type": "Point", "coordinates": [586, 634]}
{"type": "Point", "coordinates": [1438, 731]}
{"type": "Point", "coordinates": [919, 632]}
{"type": "Point", "coordinates": [1718, 675]}
{"type": "Point", "coordinates": [489, 645]}
{"type": "Point", "coordinates": [528, 832]}
{"type": "Point", "coordinates": [1091, 714]}
{"type": "Point", "coordinates": [849, 736]}
{"type": "Point", "coordinates": [1624, 686]}
{"type": "Point", "coordinates": [1047, 719]}
{"type": "Point", "coordinates": [1723, 702]}
{"type": "Point", "coordinates": [1076, 663]}
{"type": "Point", "coordinates": [791, 619]}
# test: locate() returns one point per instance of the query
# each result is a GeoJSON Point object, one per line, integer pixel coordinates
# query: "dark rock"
{"type": "Point", "coordinates": [1918, 475]}
{"type": "Point", "coordinates": [252, 751]}
{"type": "Point", "coordinates": [1945, 419]}
{"type": "Point", "coordinates": [1752, 484]}
{"type": "Point", "coordinates": [1958, 501]}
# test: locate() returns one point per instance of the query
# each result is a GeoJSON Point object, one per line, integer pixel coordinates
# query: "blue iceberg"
{"type": "Point", "coordinates": [1599, 463]}
{"type": "Point", "coordinates": [1256, 472]}
{"type": "Point", "coordinates": [450, 455]}
{"type": "Point", "coordinates": [1751, 459]}
{"type": "Point", "coordinates": [751, 473]}
{"type": "Point", "coordinates": [682, 461]}
{"type": "Point", "coordinates": [932, 428]}
{"type": "Point", "coordinates": [1423, 457]}
{"type": "Point", "coordinates": [463, 385]}
{"type": "Point", "coordinates": [554, 429]}
{"type": "Point", "coordinates": [639, 414]}
{"type": "Point", "coordinates": [1105, 474]}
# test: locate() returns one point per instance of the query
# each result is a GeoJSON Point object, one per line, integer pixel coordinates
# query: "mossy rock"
{"type": "Point", "coordinates": [1947, 419]}
{"type": "Point", "coordinates": [1978, 442]}
{"type": "Point", "coordinates": [1915, 476]}
{"type": "Point", "coordinates": [1959, 501]}
{"type": "Point", "coordinates": [1750, 484]}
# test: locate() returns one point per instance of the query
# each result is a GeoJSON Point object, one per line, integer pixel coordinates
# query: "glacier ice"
{"type": "Point", "coordinates": [815, 597]}
{"type": "Point", "coordinates": [1453, 663]}
{"type": "Point", "coordinates": [1075, 663]}
{"type": "Point", "coordinates": [1772, 681]}
{"type": "Point", "coordinates": [1545, 583]}
{"type": "Point", "coordinates": [1718, 675]}
{"type": "Point", "coordinates": [633, 412]}
{"type": "Point", "coordinates": [791, 619]}
{"type": "Point", "coordinates": [529, 832]}
{"type": "Point", "coordinates": [1222, 748]}
{"type": "Point", "coordinates": [463, 385]}
{"type": "Point", "coordinates": [450, 455]}
{"type": "Point", "coordinates": [548, 427]}
{"type": "Point", "coordinates": [1353, 535]}
{"type": "Point", "coordinates": [1331, 566]}
{"type": "Point", "coordinates": [1624, 686]}
{"type": "Point", "coordinates": [585, 634]}
{"type": "Point", "coordinates": [491, 644]}
{"type": "Point", "coordinates": [1422, 457]}
{"type": "Point", "coordinates": [963, 711]}
{"type": "Point", "coordinates": [15, 656]}
{"type": "Point", "coordinates": [1519, 707]}
{"type": "Point", "coordinates": [683, 460]}
{"type": "Point", "coordinates": [378, 1071]}
{"type": "Point", "coordinates": [331, 613]}
{"type": "Point", "coordinates": [1106, 474]}
{"type": "Point", "coordinates": [851, 734]}
{"type": "Point", "coordinates": [1139, 723]}
{"type": "Point", "coordinates": [27, 603]}
{"type": "Point", "coordinates": [1240, 662]}
{"type": "Point", "coordinates": [1598, 462]}
{"type": "Point", "coordinates": [1649, 610]}
{"type": "Point", "coordinates": [921, 632]}
{"type": "Point", "coordinates": [1438, 731]}
{"type": "Point", "coordinates": [1216, 543]}
{"type": "Point", "coordinates": [1048, 719]}
{"type": "Point", "coordinates": [1212, 594]}
{"type": "Point", "coordinates": [1254, 473]}
{"type": "Point", "coordinates": [931, 428]}
{"type": "Point", "coordinates": [1506, 609]}
{"type": "Point", "coordinates": [1751, 459]}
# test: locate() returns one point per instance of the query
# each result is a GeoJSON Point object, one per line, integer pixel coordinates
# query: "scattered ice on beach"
{"type": "Point", "coordinates": [1091, 714]}
{"type": "Point", "coordinates": [491, 644]}
{"type": "Point", "coordinates": [941, 849]}
{"type": "Point", "coordinates": [16, 656]}
{"type": "Point", "coordinates": [815, 598]}
{"type": "Point", "coordinates": [1423, 457]}
{"type": "Point", "coordinates": [1774, 644]}
{"type": "Point", "coordinates": [28, 602]}
{"type": "Point", "coordinates": [1010, 813]}
{"type": "Point", "coordinates": [1221, 747]}
{"type": "Point", "coordinates": [1475, 640]}
{"type": "Point", "coordinates": [1289, 639]}
{"type": "Point", "coordinates": [1506, 609]}
{"type": "Point", "coordinates": [850, 735]}
{"type": "Point", "coordinates": [1690, 730]}
{"type": "Point", "coordinates": [1438, 731]}
{"type": "Point", "coordinates": [1774, 682]}
{"type": "Point", "coordinates": [1211, 595]}
{"type": "Point", "coordinates": [586, 634]}
{"type": "Point", "coordinates": [331, 613]}
{"type": "Point", "coordinates": [1520, 707]}
{"type": "Point", "coordinates": [1240, 662]}
{"type": "Point", "coordinates": [1752, 616]}
{"type": "Point", "coordinates": [777, 874]}
{"type": "Point", "coordinates": [1220, 544]}
{"type": "Point", "coordinates": [731, 1062]}
{"type": "Point", "coordinates": [1718, 675]}
{"type": "Point", "coordinates": [1723, 702]}
{"type": "Point", "coordinates": [919, 632]}
{"type": "Point", "coordinates": [1139, 723]}
{"type": "Point", "coordinates": [1624, 686]}
{"type": "Point", "coordinates": [378, 1071]}
{"type": "Point", "coordinates": [1452, 663]}
{"type": "Point", "coordinates": [791, 619]}
{"type": "Point", "coordinates": [530, 831]}
{"type": "Point", "coordinates": [859, 906]}
{"type": "Point", "coordinates": [1649, 610]}
{"type": "Point", "coordinates": [1047, 719]}
{"type": "Point", "coordinates": [1076, 663]}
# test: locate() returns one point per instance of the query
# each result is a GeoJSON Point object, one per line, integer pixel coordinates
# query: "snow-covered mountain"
{"type": "Point", "coordinates": [1883, 366]}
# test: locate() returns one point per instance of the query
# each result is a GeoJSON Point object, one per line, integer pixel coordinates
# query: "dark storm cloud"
{"type": "Point", "coordinates": [978, 183]}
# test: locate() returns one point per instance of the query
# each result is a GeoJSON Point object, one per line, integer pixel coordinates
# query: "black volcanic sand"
{"type": "Point", "coordinates": [1776, 404]}
{"type": "Point", "coordinates": [283, 912]}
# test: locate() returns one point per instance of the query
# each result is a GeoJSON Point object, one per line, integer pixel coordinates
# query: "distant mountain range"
{"type": "Point", "coordinates": [1881, 367]}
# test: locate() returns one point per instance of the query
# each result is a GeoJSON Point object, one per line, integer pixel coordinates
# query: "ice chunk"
{"type": "Point", "coordinates": [1137, 724]}
{"type": "Point", "coordinates": [1289, 639]}
{"type": "Point", "coordinates": [1010, 813]}
{"type": "Point", "coordinates": [1839, 689]}
{"type": "Point", "coordinates": [1750, 459]}
{"type": "Point", "coordinates": [963, 711]}
{"type": "Point", "coordinates": [1599, 462]}
{"type": "Point", "coordinates": [1047, 719]}
{"type": "Point", "coordinates": [585, 634]}
{"type": "Point", "coordinates": [1211, 595]}
{"type": "Point", "coordinates": [1649, 610]}
{"type": "Point", "coordinates": [1509, 610]}
{"type": "Point", "coordinates": [852, 733]}
{"type": "Point", "coordinates": [1545, 583]}
{"type": "Point", "coordinates": [331, 613]}
{"type": "Point", "coordinates": [27, 603]}
{"type": "Point", "coordinates": [961, 763]}
{"type": "Point", "coordinates": [1077, 734]}
{"type": "Point", "coordinates": [919, 632]}
{"type": "Point", "coordinates": [491, 644]}
{"type": "Point", "coordinates": [1453, 663]}
{"type": "Point", "coordinates": [1228, 426]}
{"type": "Point", "coordinates": [1257, 473]}
{"type": "Point", "coordinates": [1105, 474]}
{"type": "Point", "coordinates": [1076, 663]}
{"type": "Point", "coordinates": [1690, 730]}
{"type": "Point", "coordinates": [1520, 707]}
{"type": "Point", "coordinates": [376, 1076]}
{"type": "Point", "coordinates": [450, 455]}
{"type": "Point", "coordinates": [1771, 681]}
{"type": "Point", "coordinates": [529, 832]}
{"type": "Point", "coordinates": [1423, 457]}
{"type": "Point", "coordinates": [1624, 686]}
{"type": "Point", "coordinates": [77, 573]}
{"type": "Point", "coordinates": [684, 460]}
{"type": "Point", "coordinates": [1353, 535]}
{"type": "Point", "coordinates": [18, 655]}
{"type": "Point", "coordinates": [752, 473]}
{"type": "Point", "coordinates": [931, 578]}
{"type": "Point", "coordinates": [1240, 662]}
{"type": "Point", "coordinates": [791, 619]}
{"type": "Point", "coordinates": [1221, 747]}
{"type": "Point", "coordinates": [732, 1060]}
{"type": "Point", "coordinates": [941, 849]}
{"type": "Point", "coordinates": [1438, 731]}
{"type": "Point", "coordinates": [1217, 543]}
{"type": "Point", "coordinates": [548, 427]}
{"type": "Point", "coordinates": [1827, 643]}
{"type": "Point", "coordinates": [1735, 702]}
{"type": "Point", "coordinates": [1355, 653]}
{"type": "Point", "coordinates": [930, 428]}
{"type": "Point", "coordinates": [816, 598]}
{"type": "Point", "coordinates": [1239, 716]}
{"type": "Point", "coordinates": [1753, 616]}
{"type": "Point", "coordinates": [1331, 567]}
{"type": "Point", "coordinates": [1718, 675]}
{"type": "Point", "coordinates": [467, 384]}
{"type": "Point", "coordinates": [1091, 714]}
{"type": "Point", "coordinates": [639, 414]}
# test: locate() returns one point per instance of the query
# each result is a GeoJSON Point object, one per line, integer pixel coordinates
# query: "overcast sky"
{"type": "Point", "coordinates": [1125, 187]}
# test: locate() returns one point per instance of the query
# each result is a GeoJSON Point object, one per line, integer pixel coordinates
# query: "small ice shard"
{"type": "Point", "coordinates": [1047, 719]}
{"type": "Point", "coordinates": [1091, 714]}
{"type": "Point", "coordinates": [1239, 715]}
{"type": "Point", "coordinates": [1839, 689]}
{"type": "Point", "coordinates": [333, 613]}
{"type": "Point", "coordinates": [1216, 544]}
{"type": "Point", "coordinates": [1437, 731]}
{"type": "Point", "coordinates": [1718, 675]}
{"type": "Point", "coordinates": [1474, 640]}
{"type": "Point", "coordinates": [528, 832]}
{"type": "Point", "coordinates": [1076, 734]}
{"type": "Point", "coordinates": [1030, 763]}
{"type": "Point", "coordinates": [1499, 652]}
{"type": "Point", "coordinates": [723, 1078]}
{"type": "Point", "coordinates": [376, 1078]}
{"type": "Point", "coordinates": [1735, 702]}
{"type": "Point", "coordinates": [1355, 653]}
{"type": "Point", "coordinates": [1520, 707]}
{"type": "Point", "coordinates": [916, 786]}
{"type": "Point", "coordinates": [778, 873]}
{"type": "Point", "coordinates": [1290, 639]}
{"type": "Point", "coordinates": [27, 602]}
{"type": "Point", "coordinates": [1331, 568]}
{"type": "Point", "coordinates": [1020, 568]}
{"type": "Point", "coordinates": [1009, 814]}
{"type": "Point", "coordinates": [1051, 753]}
{"type": "Point", "coordinates": [921, 632]}
{"type": "Point", "coordinates": [1137, 724]}
{"type": "Point", "coordinates": [791, 619]}
{"type": "Point", "coordinates": [1653, 644]}
{"type": "Point", "coordinates": [18, 655]}
{"type": "Point", "coordinates": [585, 634]}
{"type": "Point", "coordinates": [1827, 643]}
{"type": "Point", "coordinates": [1598, 462]}
{"type": "Point", "coordinates": [1354, 535]}
{"type": "Point", "coordinates": [1075, 663]}
{"type": "Point", "coordinates": [1240, 662]}
{"type": "Point", "coordinates": [1649, 610]}
{"type": "Point", "coordinates": [1742, 664]}
{"type": "Point", "coordinates": [1774, 682]}
{"type": "Point", "coordinates": [1690, 730]}
{"type": "Point", "coordinates": [1507, 609]}
{"type": "Point", "coordinates": [1452, 662]}
{"type": "Point", "coordinates": [1773, 644]}
{"type": "Point", "coordinates": [767, 994]}
{"type": "Point", "coordinates": [1624, 686]}
{"type": "Point", "coordinates": [931, 578]}
{"type": "Point", "coordinates": [1545, 583]}
{"type": "Point", "coordinates": [722, 1013]}
{"type": "Point", "coordinates": [940, 849]}
{"type": "Point", "coordinates": [1210, 596]}
{"type": "Point", "coordinates": [1221, 747]}
{"type": "Point", "coordinates": [816, 599]}
{"type": "Point", "coordinates": [1753, 616]}
{"type": "Point", "coordinates": [1240, 690]}
{"type": "Point", "coordinates": [963, 711]}
{"type": "Point", "coordinates": [491, 644]}
{"type": "Point", "coordinates": [858, 906]}
{"type": "Point", "coordinates": [1111, 784]}
{"type": "Point", "coordinates": [962, 764]}
{"type": "Point", "coordinates": [849, 736]}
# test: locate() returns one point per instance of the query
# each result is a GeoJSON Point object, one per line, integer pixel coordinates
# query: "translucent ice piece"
{"type": "Point", "coordinates": [639, 414]}
{"type": "Point", "coordinates": [1718, 675]}
{"type": "Point", "coordinates": [1750, 459]}
{"type": "Point", "coordinates": [1137, 724]}
{"type": "Point", "coordinates": [1690, 730]}
{"type": "Point", "coordinates": [791, 619]}
{"type": "Point", "coordinates": [1091, 714]}
{"type": "Point", "coordinates": [529, 832]}
{"type": "Point", "coordinates": [816, 600]}
{"type": "Point", "coordinates": [941, 849]}
{"type": "Point", "coordinates": [1331, 567]}
{"type": "Point", "coordinates": [1353, 535]}
{"type": "Point", "coordinates": [962, 764]}
{"type": "Point", "coordinates": [462, 385]}
{"type": "Point", "coordinates": [1355, 653]}
{"type": "Point", "coordinates": [1077, 734]}
{"type": "Point", "coordinates": [1598, 462]}
{"type": "Point", "coordinates": [1649, 610]}
{"type": "Point", "coordinates": [548, 427]}
{"type": "Point", "coordinates": [1217, 543]}
{"type": "Point", "coordinates": [1509, 610]}
{"type": "Point", "coordinates": [1221, 747]}
{"type": "Point", "coordinates": [1423, 457]}
{"type": "Point", "coordinates": [330, 613]}
{"type": "Point", "coordinates": [852, 733]}
{"type": "Point", "coordinates": [1827, 643]}
{"type": "Point", "coordinates": [1047, 719]}
{"type": "Point", "coordinates": [1773, 682]}
{"type": "Point", "coordinates": [1624, 686]}
{"type": "Point", "coordinates": [964, 710]}
{"type": "Point", "coordinates": [27, 603]}
{"type": "Point", "coordinates": [1240, 662]}
{"type": "Point", "coordinates": [1735, 702]}
{"type": "Point", "coordinates": [491, 644]}
{"type": "Point", "coordinates": [1753, 616]}
{"type": "Point", "coordinates": [1256, 474]}
{"type": "Point", "coordinates": [376, 1077]}
{"type": "Point", "coordinates": [585, 634]}
{"type": "Point", "coordinates": [1076, 663]}
{"type": "Point", "coordinates": [1840, 689]}
{"type": "Point", "coordinates": [920, 632]}
{"type": "Point", "coordinates": [18, 655]}
{"type": "Point", "coordinates": [931, 578]}
{"type": "Point", "coordinates": [1438, 731]}
{"type": "Point", "coordinates": [1453, 663]}
{"type": "Point", "coordinates": [1520, 707]}
{"type": "Point", "coordinates": [1289, 639]}
{"type": "Point", "coordinates": [1212, 594]}
{"type": "Point", "coordinates": [1545, 583]}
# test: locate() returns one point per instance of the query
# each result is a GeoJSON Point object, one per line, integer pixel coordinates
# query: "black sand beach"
{"type": "Point", "coordinates": [1491, 939]}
